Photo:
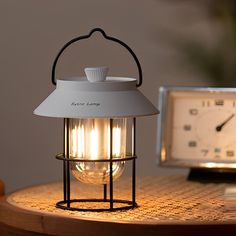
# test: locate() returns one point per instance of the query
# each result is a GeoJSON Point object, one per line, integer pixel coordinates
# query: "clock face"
{"type": "Point", "coordinates": [198, 127]}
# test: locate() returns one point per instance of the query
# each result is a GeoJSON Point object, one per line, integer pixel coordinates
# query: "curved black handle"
{"type": "Point", "coordinates": [106, 37]}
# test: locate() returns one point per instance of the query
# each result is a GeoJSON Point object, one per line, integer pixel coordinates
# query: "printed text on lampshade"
{"type": "Point", "coordinates": [89, 139]}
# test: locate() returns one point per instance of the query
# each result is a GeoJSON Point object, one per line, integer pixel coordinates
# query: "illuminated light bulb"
{"type": "Point", "coordinates": [90, 140]}
{"type": "Point", "coordinates": [94, 144]}
{"type": "Point", "coordinates": [77, 145]}
{"type": "Point", "coordinates": [116, 142]}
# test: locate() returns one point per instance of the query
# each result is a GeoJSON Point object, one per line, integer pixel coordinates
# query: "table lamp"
{"type": "Point", "coordinates": [97, 110]}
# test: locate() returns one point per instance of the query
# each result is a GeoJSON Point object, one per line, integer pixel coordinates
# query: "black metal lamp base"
{"type": "Point", "coordinates": [67, 203]}
{"type": "Point", "coordinates": [127, 205]}
{"type": "Point", "coordinates": [212, 175]}
{"type": "Point", "coordinates": [114, 204]}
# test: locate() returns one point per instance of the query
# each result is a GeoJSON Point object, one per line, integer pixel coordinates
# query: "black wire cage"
{"type": "Point", "coordinates": [67, 203]}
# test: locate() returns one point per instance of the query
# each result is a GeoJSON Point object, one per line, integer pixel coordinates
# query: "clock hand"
{"type": "Point", "coordinates": [220, 126]}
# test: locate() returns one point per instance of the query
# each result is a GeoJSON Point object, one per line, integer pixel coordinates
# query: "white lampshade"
{"type": "Point", "coordinates": [79, 98]}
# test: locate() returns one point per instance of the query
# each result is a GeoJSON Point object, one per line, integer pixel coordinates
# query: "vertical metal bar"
{"type": "Point", "coordinates": [67, 154]}
{"type": "Point", "coordinates": [64, 163]}
{"type": "Point", "coordinates": [134, 161]}
{"type": "Point", "coordinates": [111, 175]}
{"type": "Point", "coordinates": [105, 192]}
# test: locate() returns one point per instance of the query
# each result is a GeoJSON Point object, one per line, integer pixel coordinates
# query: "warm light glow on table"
{"type": "Point", "coordinates": [167, 206]}
{"type": "Point", "coordinates": [163, 199]}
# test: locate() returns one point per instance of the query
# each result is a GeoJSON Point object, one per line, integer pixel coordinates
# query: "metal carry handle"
{"type": "Point", "coordinates": [139, 83]}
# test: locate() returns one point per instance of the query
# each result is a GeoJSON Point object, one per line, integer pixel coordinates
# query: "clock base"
{"type": "Point", "coordinates": [212, 175]}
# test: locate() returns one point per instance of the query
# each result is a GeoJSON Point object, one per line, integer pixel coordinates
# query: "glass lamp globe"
{"type": "Point", "coordinates": [90, 139]}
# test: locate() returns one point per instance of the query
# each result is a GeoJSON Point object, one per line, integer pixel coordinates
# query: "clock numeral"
{"type": "Point", "coordinates": [217, 150]}
{"type": "Point", "coordinates": [193, 111]}
{"type": "Point", "coordinates": [205, 152]}
{"type": "Point", "coordinates": [205, 103]}
{"type": "Point", "coordinates": [192, 143]}
{"type": "Point", "coordinates": [219, 102]}
{"type": "Point", "coordinates": [187, 127]}
{"type": "Point", "coordinates": [230, 153]}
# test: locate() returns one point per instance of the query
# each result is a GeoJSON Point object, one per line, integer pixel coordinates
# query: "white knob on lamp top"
{"type": "Point", "coordinates": [96, 74]}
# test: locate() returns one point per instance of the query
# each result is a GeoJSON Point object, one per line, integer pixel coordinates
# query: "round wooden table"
{"type": "Point", "coordinates": [167, 206]}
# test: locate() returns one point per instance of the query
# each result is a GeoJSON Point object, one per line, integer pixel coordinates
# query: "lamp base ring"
{"type": "Point", "coordinates": [127, 205]}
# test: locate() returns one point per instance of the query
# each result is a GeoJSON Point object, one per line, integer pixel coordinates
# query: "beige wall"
{"type": "Point", "coordinates": [32, 32]}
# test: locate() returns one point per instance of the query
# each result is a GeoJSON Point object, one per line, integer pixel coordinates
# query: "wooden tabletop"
{"type": "Point", "coordinates": [167, 206]}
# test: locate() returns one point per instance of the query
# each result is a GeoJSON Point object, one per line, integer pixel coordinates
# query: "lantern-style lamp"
{"type": "Point", "coordinates": [96, 110]}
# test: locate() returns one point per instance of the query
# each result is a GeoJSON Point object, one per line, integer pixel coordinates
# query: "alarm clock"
{"type": "Point", "coordinates": [197, 128]}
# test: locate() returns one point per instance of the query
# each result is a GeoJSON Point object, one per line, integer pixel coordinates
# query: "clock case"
{"type": "Point", "coordinates": [200, 171]}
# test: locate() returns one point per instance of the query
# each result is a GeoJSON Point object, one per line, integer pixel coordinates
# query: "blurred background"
{"type": "Point", "coordinates": [178, 42]}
